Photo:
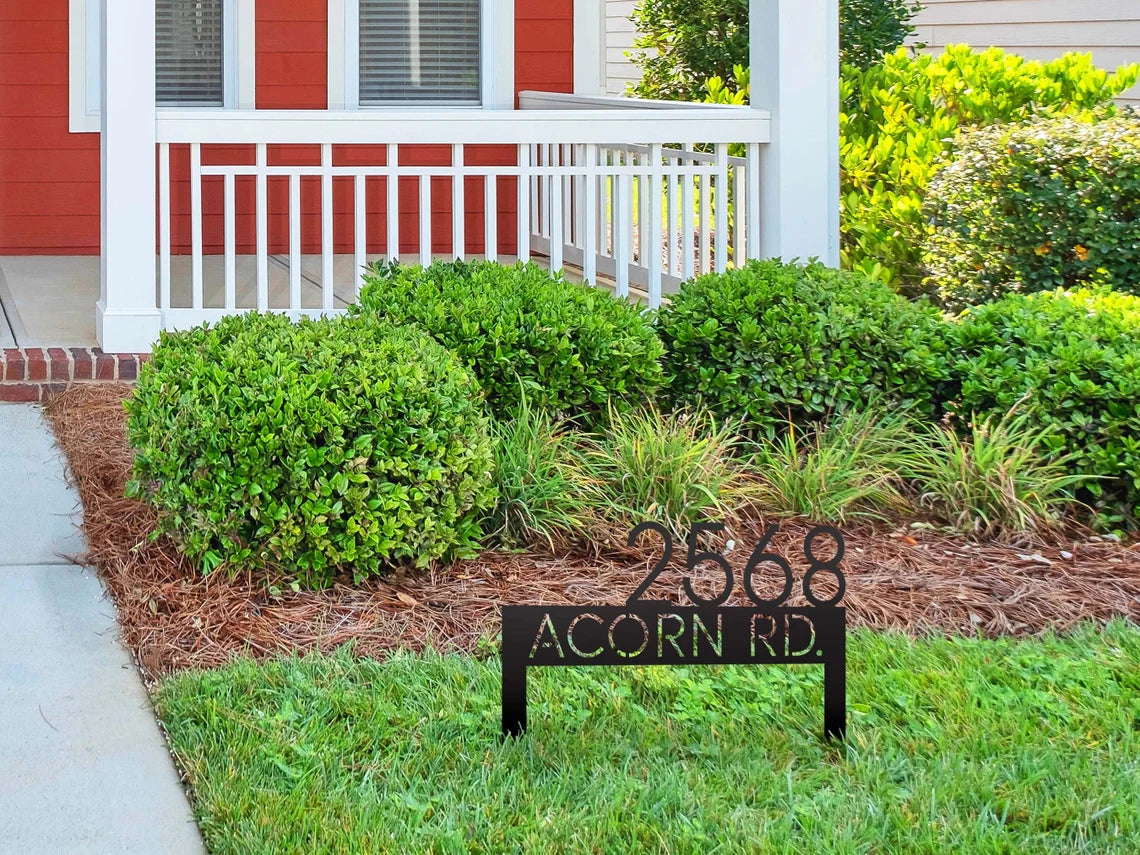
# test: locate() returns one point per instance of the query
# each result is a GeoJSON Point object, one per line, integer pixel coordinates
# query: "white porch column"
{"type": "Point", "coordinates": [795, 74]}
{"type": "Point", "coordinates": [127, 318]}
{"type": "Point", "coordinates": [589, 47]}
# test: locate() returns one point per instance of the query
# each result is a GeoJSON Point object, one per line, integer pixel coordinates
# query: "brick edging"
{"type": "Point", "coordinates": [34, 374]}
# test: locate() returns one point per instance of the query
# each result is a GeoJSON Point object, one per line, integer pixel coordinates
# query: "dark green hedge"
{"type": "Point", "coordinates": [774, 341]}
{"type": "Point", "coordinates": [1072, 361]}
{"type": "Point", "coordinates": [571, 349]}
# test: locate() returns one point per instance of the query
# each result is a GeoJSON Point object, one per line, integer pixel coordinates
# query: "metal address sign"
{"type": "Point", "coordinates": [649, 632]}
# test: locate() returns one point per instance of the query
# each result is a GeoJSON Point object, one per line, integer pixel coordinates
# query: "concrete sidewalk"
{"type": "Point", "coordinates": [83, 765]}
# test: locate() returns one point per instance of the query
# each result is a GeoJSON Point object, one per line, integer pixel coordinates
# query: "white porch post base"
{"type": "Point", "coordinates": [126, 330]}
{"type": "Point", "coordinates": [127, 315]}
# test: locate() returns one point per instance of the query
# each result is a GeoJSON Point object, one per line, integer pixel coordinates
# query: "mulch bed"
{"type": "Point", "coordinates": [915, 581]}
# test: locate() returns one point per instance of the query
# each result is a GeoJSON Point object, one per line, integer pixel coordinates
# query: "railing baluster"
{"type": "Point", "coordinates": [623, 226]}
{"type": "Point", "coordinates": [704, 262]}
{"type": "Point", "coordinates": [602, 181]}
{"type": "Point", "coordinates": [425, 217]}
{"type": "Point", "coordinates": [262, 229]}
{"type": "Point", "coordinates": [458, 204]}
{"type": "Point", "coordinates": [557, 223]}
{"type": "Point", "coordinates": [588, 208]}
{"type": "Point", "coordinates": [567, 159]}
{"type": "Point", "coordinates": [671, 226]}
{"type": "Point", "coordinates": [295, 241]}
{"type": "Point", "coordinates": [328, 283]}
{"type": "Point", "coordinates": [526, 185]}
{"type": "Point", "coordinates": [536, 209]}
{"type": "Point", "coordinates": [688, 262]}
{"type": "Point", "coordinates": [360, 256]}
{"type": "Point", "coordinates": [739, 213]}
{"type": "Point", "coordinates": [164, 225]}
{"type": "Point", "coordinates": [644, 217]}
{"type": "Point", "coordinates": [393, 190]}
{"type": "Point", "coordinates": [753, 203]}
{"type": "Point", "coordinates": [230, 243]}
{"type": "Point", "coordinates": [721, 229]}
{"type": "Point", "coordinates": [491, 218]}
{"type": "Point", "coordinates": [579, 206]}
{"type": "Point", "coordinates": [652, 191]}
{"type": "Point", "coordinates": [196, 225]}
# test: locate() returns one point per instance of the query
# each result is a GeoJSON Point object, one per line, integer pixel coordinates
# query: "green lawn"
{"type": "Point", "coordinates": [954, 746]}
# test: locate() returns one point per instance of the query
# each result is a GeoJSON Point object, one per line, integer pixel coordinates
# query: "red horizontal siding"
{"type": "Point", "coordinates": [49, 178]}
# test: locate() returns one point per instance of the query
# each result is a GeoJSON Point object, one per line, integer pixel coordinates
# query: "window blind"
{"type": "Point", "coordinates": [419, 51]}
{"type": "Point", "coordinates": [188, 53]}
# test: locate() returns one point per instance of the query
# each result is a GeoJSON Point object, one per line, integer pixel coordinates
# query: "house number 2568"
{"type": "Point", "coordinates": [759, 558]}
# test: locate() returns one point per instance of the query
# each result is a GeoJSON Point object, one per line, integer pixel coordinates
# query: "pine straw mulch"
{"type": "Point", "coordinates": [915, 581]}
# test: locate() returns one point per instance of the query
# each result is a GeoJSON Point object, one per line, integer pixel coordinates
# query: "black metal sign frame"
{"type": "Point", "coordinates": [644, 632]}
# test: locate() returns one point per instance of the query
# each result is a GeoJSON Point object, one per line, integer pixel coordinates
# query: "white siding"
{"type": "Point", "coordinates": [619, 41]}
{"type": "Point", "coordinates": [1038, 29]}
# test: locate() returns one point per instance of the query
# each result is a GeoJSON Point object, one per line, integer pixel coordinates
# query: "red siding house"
{"type": "Point", "coordinates": [165, 162]}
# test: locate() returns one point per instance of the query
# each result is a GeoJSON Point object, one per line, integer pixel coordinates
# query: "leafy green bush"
{"type": "Point", "coordinates": [1037, 206]}
{"type": "Point", "coordinates": [301, 450]}
{"type": "Point", "coordinates": [1071, 362]}
{"type": "Point", "coordinates": [899, 126]}
{"type": "Point", "coordinates": [683, 43]}
{"type": "Point", "coordinates": [772, 342]}
{"type": "Point", "coordinates": [571, 349]}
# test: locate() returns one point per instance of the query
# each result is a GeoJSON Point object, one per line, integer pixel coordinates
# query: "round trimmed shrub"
{"type": "Point", "coordinates": [1071, 362]}
{"type": "Point", "coordinates": [303, 450]}
{"type": "Point", "coordinates": [1037, 206]}
{"type": "Point", "coordinates": [772, 342]}
{"type": "Point", "coordinates": [570, 349]}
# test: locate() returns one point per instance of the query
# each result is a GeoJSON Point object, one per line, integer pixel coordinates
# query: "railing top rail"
{"type": "Point", "coordinates": [685, 124]}
{"type": "Point", "coordinates": [535, 100]}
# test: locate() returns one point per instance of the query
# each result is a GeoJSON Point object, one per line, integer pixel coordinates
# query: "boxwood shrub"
{"type": "Point", "coordinates": [1071, 360]}
{"type": "Point", "coordinates": [571, 349]}
{"type": "Point", "coordinates": [1037, 206]}
{"type": "Point", "coordinates": [773, 341]}
{"type": "Point", "coordinates": [300, 450]}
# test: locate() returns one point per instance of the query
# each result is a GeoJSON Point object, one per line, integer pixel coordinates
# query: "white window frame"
{"type": "Point", "coordinates": [496, 60]}
{"type": "Point", "coordinates": [85, 74]}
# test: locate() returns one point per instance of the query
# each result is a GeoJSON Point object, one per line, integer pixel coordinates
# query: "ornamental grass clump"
{"type": "Point", "coordinates": [303, 451]}
{"type": "Point", "coordinates": [571, 349]}
{"type": "Point", "coordinates": [995, 478]}
{"type": "Point", "coordinates": [538, 498]}
{"type": "Point", "coordinates": [673, 468]}
{"type": "Point", "coordinates": [848, 468]}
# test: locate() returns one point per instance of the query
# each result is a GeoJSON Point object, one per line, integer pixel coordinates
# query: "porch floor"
{"type": "Point", "coordinates": [49, 301]}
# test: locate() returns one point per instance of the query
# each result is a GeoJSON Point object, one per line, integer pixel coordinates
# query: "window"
{"type": "Point", "coordinates": [204, 56]}
{"type": "Point", "coordinates": [189, 64]}
{"type": "Point", "coordinates": [420, 51]}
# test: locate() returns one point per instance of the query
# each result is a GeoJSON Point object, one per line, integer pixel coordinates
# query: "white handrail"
{"type": "Point", "coordinates": [680, 124]}
{"type": "Point", "coordinates": [533, 100]}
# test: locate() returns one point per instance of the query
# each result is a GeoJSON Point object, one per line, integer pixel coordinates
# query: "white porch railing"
{"type": "Point", "coordinates": [643, 195]}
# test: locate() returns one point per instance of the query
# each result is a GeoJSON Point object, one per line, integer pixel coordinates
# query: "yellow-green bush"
{"type": "Point", "coordinates": [1037, 206]}
{"type": "Point", "coordinates": [899, 126]}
